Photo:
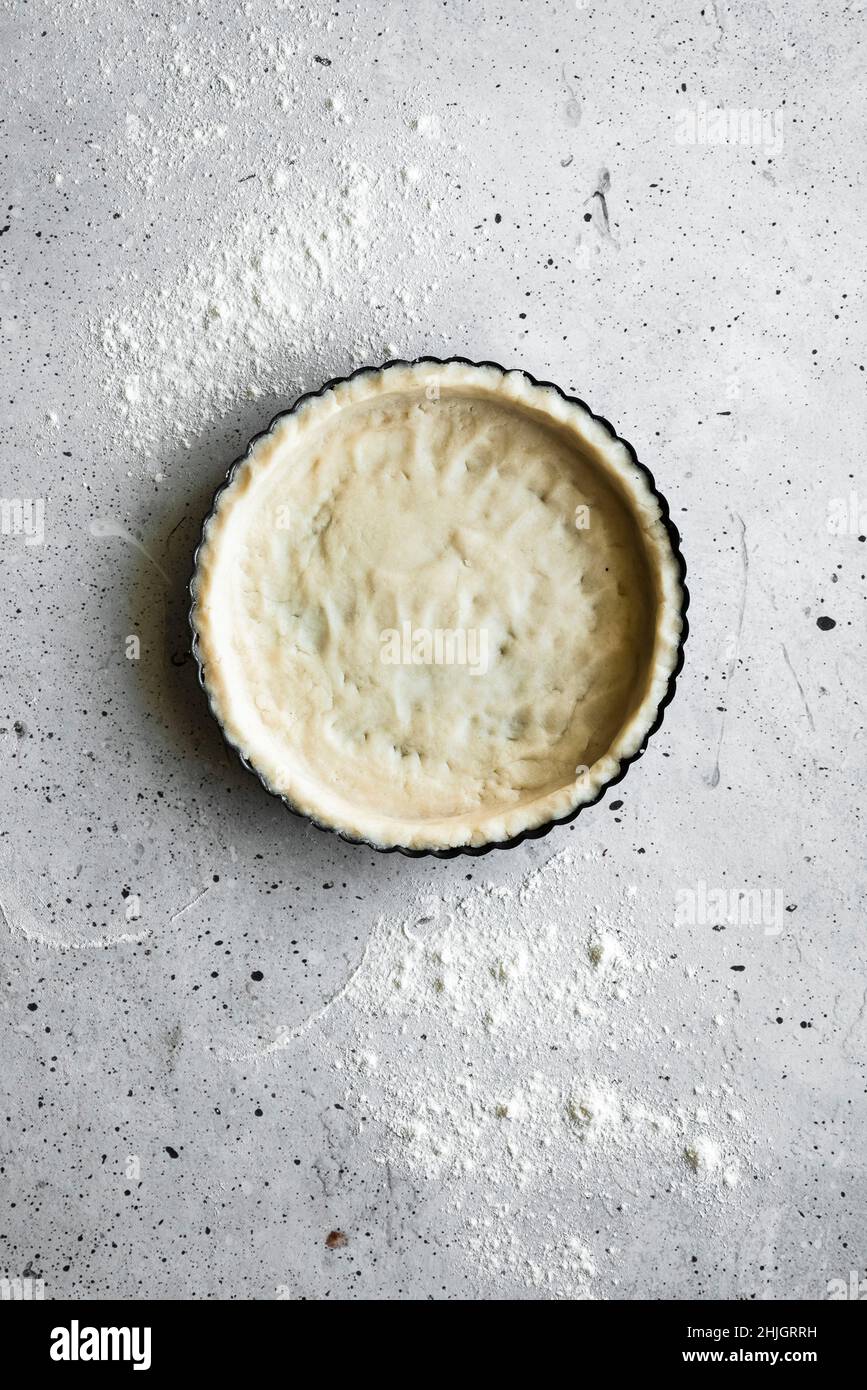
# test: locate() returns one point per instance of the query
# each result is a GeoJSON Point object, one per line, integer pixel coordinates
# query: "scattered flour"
{"type": "Point", "coordinates": [318, 249]}
{"type": "Point", "coordinates": [703, 1155]}
{"type": "Point", "coordinates": [509, 1055]}
{"type": "Point", "coordinates": [248, 310]}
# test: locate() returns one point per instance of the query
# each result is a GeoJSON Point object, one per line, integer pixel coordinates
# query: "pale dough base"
{"type": "Point", "coordinates": [430, 503]}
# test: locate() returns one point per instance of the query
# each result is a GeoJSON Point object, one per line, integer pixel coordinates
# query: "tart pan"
{"type": "Point", "coordinates": [531, 833]}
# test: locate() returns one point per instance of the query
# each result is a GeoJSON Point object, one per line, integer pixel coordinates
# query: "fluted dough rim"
{"type": "Point", "coordinates": [502, 828]}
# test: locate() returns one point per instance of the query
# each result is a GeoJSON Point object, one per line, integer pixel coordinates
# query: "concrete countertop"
{"type": "Point", "coordinates": [658, 211]}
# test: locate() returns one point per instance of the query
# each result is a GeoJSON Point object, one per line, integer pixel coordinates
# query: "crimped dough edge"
{"type": "Point", "coordinates": [465, 831]}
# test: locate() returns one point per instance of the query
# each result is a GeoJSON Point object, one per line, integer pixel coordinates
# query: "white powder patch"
{"type": "Point", "coordinates": [27, 917]}
{"type": "Point", "coordinates": [518, 1058]}
{"type": "Point", "coordinates": [253, 303]}
{"type": "Point", "coordinates": [319, 245]}
{"type": "Point", "coordinates": [703, 1154]}
{"type": "Point", "coordinates": [325, 251]}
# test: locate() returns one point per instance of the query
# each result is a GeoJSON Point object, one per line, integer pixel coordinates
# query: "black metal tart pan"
{"type": "Point", "coordinates": [538, 831]}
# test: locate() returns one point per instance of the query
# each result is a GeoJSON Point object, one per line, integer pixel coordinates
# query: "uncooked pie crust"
{"type": "Point", "coordinates": [437, 606]}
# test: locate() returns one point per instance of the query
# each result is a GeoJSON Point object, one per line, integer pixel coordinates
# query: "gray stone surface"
{"type": "Point", "coordinates": [712, 309]}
